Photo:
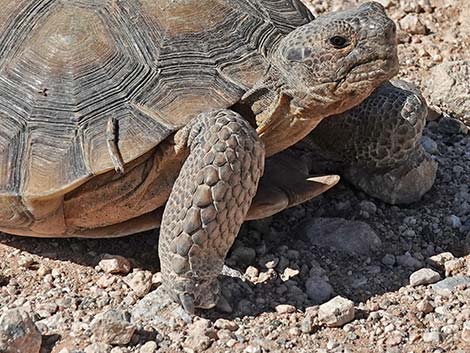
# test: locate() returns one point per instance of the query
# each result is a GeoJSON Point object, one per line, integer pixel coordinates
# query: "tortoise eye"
{"type": "Point", "coordinates": [339, 42]}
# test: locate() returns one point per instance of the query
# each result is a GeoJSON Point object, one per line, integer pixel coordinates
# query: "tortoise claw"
{"type": "Point", "coordinates": [187, 302]}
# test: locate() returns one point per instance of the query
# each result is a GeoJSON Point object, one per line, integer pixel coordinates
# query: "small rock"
{"type": "Point", "coordinates": [252, 272]}
{"type": "Point", "coordinates": [319, 290]}
{"type": "Point", "coordinates": [424, 276]}
{"type": "Point", "coordinates": [243, 255]}
{"type": "Point", "coordinates": [453, 266]}
{"type": "Point", "coordinates": [453, 221]}
{"type": "Point", "coordinates": [337, 312]}
{"type": "Point", "coordinates": [466, 331]}
{"type": "Point", "coordinates": [139, 281]}
{"type": "Point", "coordinates": [97, 348]}
{"type": "Point", "coordinates": [394, 338]}
{"type": "Point", "coordinates": [368, 206]}
{"type": "Point", "coordinates": [432, 337]}
{"type": "Point", "coordinates": [388, 260]}
{"type": "Point", "coordinates": [351, 237]}
{"type": "Point", "coordinates": [424, 306]}
{"type": "Point", "coordinates": [448, 285]}
{"type": "Point", "coordinates": [412, 24]}
{"type": "Point", "coordinates": [149, 347]}
{"type": "Point", "coordinates": [226, 324]}
{"type": "Point", "coordinates": [429, 145]}
{"type": "Point", "coordinates": [200, 335]}
{"type": "Point", "coordinates": [285, 309]}
{"type": "Point", "coordinates": [386, 3]}
{"type": "Point", "coordinates": [112, 327]}
{"type": "Point", "coordinates": [452, 126]}
{"type": "Point", "coordinates": [308, 324]}
{"type": "Point", "coordinates": [114, 264]}
{"type": "Point", "coordinates": [448, 87]}
{"type": "Point", "coordinates": [43, 270]}
{"type": "Point", "coordinates": [252, 349]}
{"type": "Point", "coordinates": [289, 273]}
{"type": "Point", "coordinates": [408, 261]}
{"type": "Point", "coordinates": [440, 259]}
{"type": "Point", "coordinates": [18, 334]}
{"type": "Point", "coordinates": [26, 261]}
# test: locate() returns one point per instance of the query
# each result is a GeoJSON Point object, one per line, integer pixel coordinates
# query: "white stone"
{"type": "Point", "coordinates": [424, 276]}
{"type": "Point", "coordinates": [114, 264]}
{"type": "Point", "coordinates": [337, 312]}
{"type": "Point", "coordinates": [285, 308]}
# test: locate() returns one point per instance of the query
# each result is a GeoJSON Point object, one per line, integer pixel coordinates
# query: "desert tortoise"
{"type": "Point", "coordinates": [111, 109]}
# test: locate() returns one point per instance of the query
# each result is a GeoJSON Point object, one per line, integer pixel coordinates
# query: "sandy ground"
{"type": "Point", "coordinates": [280, 274]}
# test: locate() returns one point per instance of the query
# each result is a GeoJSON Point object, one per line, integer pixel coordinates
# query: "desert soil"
{"type": "Point", "coordinates": [281, 274]}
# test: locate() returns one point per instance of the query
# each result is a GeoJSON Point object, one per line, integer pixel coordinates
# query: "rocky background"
{"type": "Point", "coordinates": [380, 278]}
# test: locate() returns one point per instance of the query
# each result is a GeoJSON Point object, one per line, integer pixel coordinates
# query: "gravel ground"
{"type": "Point", "coordinates": [380, 278]}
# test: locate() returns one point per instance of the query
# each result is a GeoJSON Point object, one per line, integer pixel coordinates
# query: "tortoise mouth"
{"type": "Point", "coordinates": [376, 70]}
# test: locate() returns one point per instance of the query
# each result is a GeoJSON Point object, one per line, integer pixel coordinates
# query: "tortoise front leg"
{"type": "Point", "coordinates": [377, 145]}
{"type": "Point", "coordinates": [207, 205]}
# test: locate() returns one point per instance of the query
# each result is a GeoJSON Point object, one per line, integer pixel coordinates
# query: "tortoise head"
{"type": "Point", "coordinates": [341, 56]}
{"type": "Point", "coordinates": [326, 67]}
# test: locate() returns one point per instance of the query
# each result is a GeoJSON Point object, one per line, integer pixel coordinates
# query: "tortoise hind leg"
{"type": "Point", "coordinates": [287, 182]}
{"type": "Point", "coordinates": [207, 205]}
{"type": "Point", "coordinates": [377, 145]}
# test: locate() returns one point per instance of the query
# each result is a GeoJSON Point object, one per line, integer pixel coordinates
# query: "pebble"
{"type": "Point", "coordinates": [199, 336]}
{"type": "Point", "coordinates": [389, 260]}
{"type": "Point", "coordinates": [149, 347]}
{"type": "Point", "coordinates": [226, 324]}
{"type": "Point", "coordinates": [139, 281]}
{"type": "Point", "coordinates": [318, 289]}
{"type": "Point", "coordinates": [440, 259]}
{"type": "Point", "coordinates": [466, 331]}
{"type": "Point", "coordinates": [451, 126]}
{"type": "Point", "coordinates": [97, 348]}
{"type": "Point", "coordinates": [424, 276]}
{"type": "Point", "coordinates": [339, 234]}
{"type": "Point", "coordinates": [336, 312]}
{"type": "Point", "coordinates": [425, 306]}
{"type": "Point", "coordinates": [112, 327]}
{"type": "Point", "coordinates": [453, 221]}
{"type": "Point", "coordinates": [408, 261]}
{"type": "Point", "coordinates": [429, 145]}
{"type": "Point", "coordinates": [114, 264]}
{"type": "Point", "coordinates": [412, 24]}
{"type": "Point", "coordinates": [285, 308]}
{"type": "Point", "coordinates": [308, 324]}
{"type": "Point", "coordinates": [18, 334]}
{"type": "Point", "coordinates": [243, 255]}
{"type": "Point", "coordinates": [432, 337]}
{"type": "Point", "coordinates": [368, 206]}
{"type": "Point", "coordinates": [252, 272]}
{"type": "Point", "coordinates": [453, 266]}
{"type": "Point", "coordinates": [448, 285]}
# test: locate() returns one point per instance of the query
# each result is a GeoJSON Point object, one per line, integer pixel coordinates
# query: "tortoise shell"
{"type": "Point", "coordinates": [68, 67]}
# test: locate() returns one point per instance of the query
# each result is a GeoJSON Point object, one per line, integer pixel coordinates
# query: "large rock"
{"type": "Point", "coordinates": [18, 334]}
{"type": "Point", "coordinates": [156, 307]}
{"type": "Point", "coordinates": [449, 86]}
{"type": "Point", "coordinates": [351, 237]}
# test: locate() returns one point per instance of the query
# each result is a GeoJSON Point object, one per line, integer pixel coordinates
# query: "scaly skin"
{"type": "Point", "coordinates": [320, 69]}
{"type": "Point", "coordinates": [207, 205]}
{"type": "Point", "coordinates": [380, 149]}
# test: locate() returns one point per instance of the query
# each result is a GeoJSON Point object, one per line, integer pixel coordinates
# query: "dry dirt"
{"type": "Point", "coordinates": [280, 275]}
